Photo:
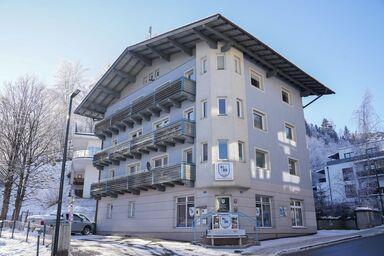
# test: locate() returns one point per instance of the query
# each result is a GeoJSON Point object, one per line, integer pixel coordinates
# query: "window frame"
{"type": "Point", "coordinates": [217, 61]}
{"type": "Point", "coordinates": [294, 208]}
{"type": "Point", "coordinates": [204, 65]}
{"type": "Point", "coordinates": [204, 109]}
{"type": "Point", "coordinates": [266, 159]}
{"type": "Point", "coordinates": [135, 132]}
{"type": "Point", "coordinates": [239, 108]}
{"type": "Point", "coordinates": [184, 151]}
{"type": "Point", "coordinates": [219, 141]}
{"type": "Point", "coordinates": [296, 166]}
{"type": "Point", "coordinates": [162, 157]}
{"type": "Point", "coordinates": [289, 95]}
{"type": "Point", "coordinates": [293, 132]}
{"type": "Point", "coordinates": [185, 203]}
{"type": "Point", "coordinates": [262, 204]}
{"type": "Point", "coordinates": [131, 209]}
{"type": "Point", "coordinates": [241, 144]}
{"type": "Point", "coordinates": [237, 63]}
{"type": "Point", "coordinates": [162, 120]}
{"type": "Point", "coordinates": [257, 76]}
{"type": "Point", "coordinates": [109, 211]}
{"type": "Point", "coordinates": [189, 73]}
{"type": "Point", "coordinates": [203, 160]}
{"type": "Point", "coordinates": [225, 106]}
{"type": "Point", "coordinates": [138, 166]}
{"type": "Point", "coordinates": [187, 111]}
{"type": "Point", "coordinates": [263, 119]}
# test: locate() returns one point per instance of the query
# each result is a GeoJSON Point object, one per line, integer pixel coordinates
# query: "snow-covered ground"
{"type": "Point", "coordinates": [117, 245]}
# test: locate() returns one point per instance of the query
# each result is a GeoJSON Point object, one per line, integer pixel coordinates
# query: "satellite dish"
{"type": "Point", "coordinates": [148, 166]}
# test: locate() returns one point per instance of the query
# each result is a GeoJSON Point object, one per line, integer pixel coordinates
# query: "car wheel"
{"type": "Point", "coordinates": [86, 230]}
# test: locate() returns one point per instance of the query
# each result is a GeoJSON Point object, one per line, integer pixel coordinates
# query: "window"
{"type": "Point", "coordinates": [371, 150]}
{"type": "Point", "coordinates": [222, 102]}
{"type": "Point", "coordinates": [240, 146]}
{"type": "Point", "coordinates": [135, 134]}
{"type": "Point", "coordinates": [289, 132]}
{"type": "Point", "coordinates": [286, 96]}
{"type": "Point", "coordinates": [259, 120]}
{"type": "Point", "coordinates": [189, 74]}
{"type": "Point", "coordinates": [183, 205]}
{"type": "Point", "coordinates": [157, 73]}
{"type": "Point", "coordinates": [114, 142]}
{"type": "Point", "coordinates": [237, 65]}
{"type": "Point", "coordinates": [256, 80]}
{"type": "Point", "coordinates": [239, 108]}
{"type": "Point", "coordinates": [161, 123]}
{"type": "Point", "coordinates": [151, 77]}
{"type": "Point", "coordinates": [263, 203]}
{"type": "Point", "coordinates": [220, 62]}
{"type": "Point", "coordinates": [350, 191]}
{"type": "Point", "coordinates": [133, 168]}
{"type": "Point", "coordinates": [109, 211]}
{"type": "Point", "coordinates": [292, 166]}
{"type": "Point", "coordinates": [160, 162]}
{"type": "Point", "coordinates": [204, 152]}
{"type": "Point", "coordinates": [189, 115]}
{"type": "Point", "coordinates": [111, 174]}
{"type": "Point", "coordinates": [262, 160]}
{"type": "Point", "coordinates": [131, 209]}
{"type": "Point", "coordinates": [348, 155]}
{"type": "Point", "coordinates": [204, 65]}
{"type": "Point", "coordinates": [188, 156]}
{"type": "Point", "coordinates": [223, 149]}
{"type": "Point", "coordinates": [348, 174]}
{"type": "Point", "coordinates": [204, 108]}
{"type": "Point", "coordinates": [296, 213]}
{"type": "Point", "coordinates": [145, 80]}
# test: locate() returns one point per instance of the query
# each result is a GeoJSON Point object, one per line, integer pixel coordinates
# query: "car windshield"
{"type": "Point", "coordinates": [85, 218]}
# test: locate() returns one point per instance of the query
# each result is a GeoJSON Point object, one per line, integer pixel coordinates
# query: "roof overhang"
{"type": "Point", "coordinates": [211, 30]}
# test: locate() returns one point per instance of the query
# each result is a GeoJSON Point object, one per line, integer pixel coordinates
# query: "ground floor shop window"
{"type": "Point", "coordinates": [297, 213]}
{"type": "Point", "coordinates": [263, 211]}
{"type": "Point", "coordinates": [185, 211]}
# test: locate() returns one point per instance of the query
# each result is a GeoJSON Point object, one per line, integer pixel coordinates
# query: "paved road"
{"type": "Point", "coordinates": [367, 246]}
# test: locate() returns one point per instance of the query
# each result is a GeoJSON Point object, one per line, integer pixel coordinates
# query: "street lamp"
{"type": "Point", "coordinates": [58, 213]}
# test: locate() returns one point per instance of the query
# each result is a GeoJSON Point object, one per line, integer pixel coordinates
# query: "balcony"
{"type": "Point", "coordinates": [83, 153]}
{"type": "Point", "coordinates": [370, 173]}
{"type": "Point", "coordinates": [156, 179]}
{"type": "Point", "coordinates": [78, 181]}
{"type": "Point", "coordinates": [169, 95]}
{"type": "Point", "coordinates": [177, 132]}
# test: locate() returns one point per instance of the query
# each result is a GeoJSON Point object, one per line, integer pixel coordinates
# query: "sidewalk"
{"type": "Point", "coordinates": [323, 237]}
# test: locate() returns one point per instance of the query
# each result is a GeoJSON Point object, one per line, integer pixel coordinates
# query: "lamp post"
{"type": "Point", "coordinates": [59, 203]}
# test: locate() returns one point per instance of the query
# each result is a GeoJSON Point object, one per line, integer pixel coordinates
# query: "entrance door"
{"type": "Point", "coordinates": [223, 203]}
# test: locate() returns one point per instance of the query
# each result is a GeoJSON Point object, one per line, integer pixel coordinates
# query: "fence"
{"type": "Point", "coordinates": [29, 232]}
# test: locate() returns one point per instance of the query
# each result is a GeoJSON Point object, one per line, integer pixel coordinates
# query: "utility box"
{"type": "Point", "coordinates": [63, 245]}
{"type": "Point", "coordinates": [367, 218]}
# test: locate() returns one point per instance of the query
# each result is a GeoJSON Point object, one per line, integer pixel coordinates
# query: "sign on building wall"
{"type": "Point", "coordinates": [224, 171]}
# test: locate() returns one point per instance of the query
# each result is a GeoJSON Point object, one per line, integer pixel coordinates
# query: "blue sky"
{"type": "Point", "coordinates": [340, 43]}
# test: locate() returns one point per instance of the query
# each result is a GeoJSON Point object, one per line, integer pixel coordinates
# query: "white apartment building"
{"type": "Point", "coordinates": [83, 173]}
{"type": "Point", "coordinates": [353, 175]}
{"type": "Point", "coordinates": [203, 133]}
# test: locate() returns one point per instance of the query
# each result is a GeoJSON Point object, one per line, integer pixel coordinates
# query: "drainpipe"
{"type": "Point", "coordinates": [329, 184]}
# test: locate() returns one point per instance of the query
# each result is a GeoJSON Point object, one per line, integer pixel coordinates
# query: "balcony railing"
{"type": "Point", "coordinates": [177, 132]}
{"type": "Point", "coordinates": [368, 173]}
{"type": "Point", "coordinates": [157, 178]}
{"type": "Point", "coordinates": [78, 181]}
{"type": "Point", "coordinates": [83, 153]}
{"type": "Point", "coordinates": [164, 97]}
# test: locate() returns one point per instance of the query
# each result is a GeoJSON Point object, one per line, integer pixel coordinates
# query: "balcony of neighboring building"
{"type": "Point", "coordinates": [178, 132]}
{"type": "Point", "coordinates": [155, 179]}
{"type": "Point", "coordinates": [171, 94]}
{"type": "Point", "coordinates": [82, 158]}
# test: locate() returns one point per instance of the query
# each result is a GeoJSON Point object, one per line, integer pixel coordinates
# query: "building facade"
{"type": "Point", "coordinates": [203, 130]}
{"type": "Point", "coordinates": [83, 173]}
{"type": "Point", "coordinates": [354, 175]}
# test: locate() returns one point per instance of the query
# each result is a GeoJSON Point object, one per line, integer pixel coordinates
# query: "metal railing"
{"type": "Point", "coordinates": [83, 153]}
{"type": "Point", "coordinates": [178, 130]}
{"type": "Point", "coordinates": [372, 172]}
{"type": "Point", "coordinates": [177, 173]}
{"type": "Point", "coordinates": [178, 90]}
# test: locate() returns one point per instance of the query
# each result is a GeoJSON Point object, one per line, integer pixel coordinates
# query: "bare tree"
{"type": "Point", "coordinates": [35, 147]}
{"type": "Point", "coordinates": [14, 112]}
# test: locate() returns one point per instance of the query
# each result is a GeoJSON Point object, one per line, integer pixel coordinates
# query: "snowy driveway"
{"type": "Point", "coordinates": [116, 245]}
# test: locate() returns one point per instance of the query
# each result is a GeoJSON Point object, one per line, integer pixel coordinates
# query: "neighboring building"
{"type": "Point", "coordinates": [353, 175]}
{"type": "Point", "coordinates": [198, 123]}
{"type": "Point", "coordinates": [83, 173]}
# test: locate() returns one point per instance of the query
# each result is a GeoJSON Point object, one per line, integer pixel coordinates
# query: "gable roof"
{"type": "Point", "coordinates": [183, 39]}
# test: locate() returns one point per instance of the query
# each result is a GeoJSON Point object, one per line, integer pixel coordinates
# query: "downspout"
{"type": "Point", "coordinates": [330, 186]}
